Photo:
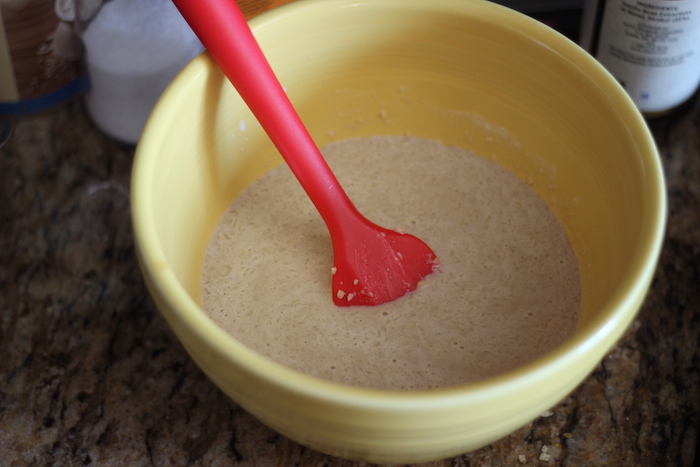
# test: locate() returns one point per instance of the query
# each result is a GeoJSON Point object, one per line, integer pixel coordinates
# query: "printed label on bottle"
{"type": "Point", "coordinates": [653, 48]}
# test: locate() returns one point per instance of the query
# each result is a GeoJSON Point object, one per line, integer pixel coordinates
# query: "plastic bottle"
{"type": "Point", "coordinates": [652, 47]}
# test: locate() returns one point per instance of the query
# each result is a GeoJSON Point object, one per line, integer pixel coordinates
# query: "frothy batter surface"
{"type": "Point", "coordinates": [508, 290]}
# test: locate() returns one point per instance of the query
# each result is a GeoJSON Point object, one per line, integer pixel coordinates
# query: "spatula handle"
{"type": "Point", "coordinates": [224, 32]}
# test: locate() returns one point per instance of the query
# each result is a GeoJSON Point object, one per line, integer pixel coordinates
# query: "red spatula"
{"type": "Point", "coordinates": [372, 265]}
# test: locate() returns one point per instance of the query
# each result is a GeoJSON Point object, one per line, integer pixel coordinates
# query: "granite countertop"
{"type": "Point", "coordinates": [90, 374]}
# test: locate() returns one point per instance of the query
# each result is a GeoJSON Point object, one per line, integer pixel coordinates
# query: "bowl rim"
{"type": "Point", "coordinates": [613, 319]}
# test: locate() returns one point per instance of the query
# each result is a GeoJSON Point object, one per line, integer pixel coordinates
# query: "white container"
{"type": "Point", "coordinates": [133, 50]}
{"type": "Point", "coordinates": [651, 46]}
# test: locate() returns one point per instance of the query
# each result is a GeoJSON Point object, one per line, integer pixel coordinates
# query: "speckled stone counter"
{"type": "Point", "coordinates": [90, 374]}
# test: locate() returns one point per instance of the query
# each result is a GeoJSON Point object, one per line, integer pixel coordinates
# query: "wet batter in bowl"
{"type": "Point", "coordinates": [508, 290]}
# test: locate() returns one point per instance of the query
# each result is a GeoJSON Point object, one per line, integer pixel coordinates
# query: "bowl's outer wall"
{"type": "Point", "coordinates": [469, 73]}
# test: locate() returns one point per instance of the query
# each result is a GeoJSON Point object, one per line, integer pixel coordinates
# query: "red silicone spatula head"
{"type": "Point", "coordinates": [372, 265]}
{"type": "Point", "coordinates": [375, 265]}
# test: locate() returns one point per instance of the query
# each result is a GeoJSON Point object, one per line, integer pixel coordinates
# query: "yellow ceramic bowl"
{"type": "Point", "coordinates": [469, 73]}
